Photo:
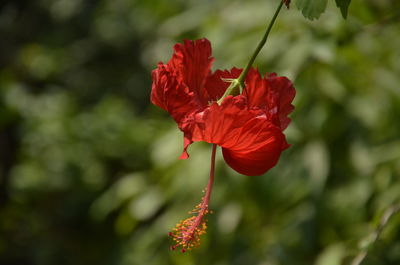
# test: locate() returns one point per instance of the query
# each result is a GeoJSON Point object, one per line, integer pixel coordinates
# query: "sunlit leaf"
{"type": "Point", "coordinates": [343, 5]}
{"type": "Point", "coordinates": [311, 9]}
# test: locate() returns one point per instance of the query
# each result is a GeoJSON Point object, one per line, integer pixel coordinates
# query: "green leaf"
{"type": "Point", "coordinates": [343, 5]}
{"type": "Point", "coordinates": [311, 8]}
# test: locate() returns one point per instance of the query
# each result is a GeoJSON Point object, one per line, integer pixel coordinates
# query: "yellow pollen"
{"type": "Point", "coordinates": [187, 232]}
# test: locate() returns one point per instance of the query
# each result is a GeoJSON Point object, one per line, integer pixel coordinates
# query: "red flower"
{"type": "Point", "coordinates": [249, 127]}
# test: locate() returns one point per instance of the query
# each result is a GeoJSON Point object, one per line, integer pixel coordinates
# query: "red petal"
{"type": "Point", "coordinates": [162, 81]}
{"type": "Point", "coordinates": [191, 63]}
{"type": "Point", "coordinates": [251, 143]}
{"type": "Point", "coordinates": [257, 149]}
{"type": "Point", "coordinates": [272, 93]}
{"type": "Point", "coordinates": [281, 88]}
{"type": "Point", "coordinates": [256, 90]}
{"type": "Point", "coordinates": [215, 86]}
{"type": "Point", "coordinates": [171, 95]}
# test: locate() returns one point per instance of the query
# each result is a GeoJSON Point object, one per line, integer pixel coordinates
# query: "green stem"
{"type": "Point", "coordinates": [375, 235]}
{"type": "Point", "coordinates": [237, 84]}
{"type": "Point", "coordinates": [260, 46]}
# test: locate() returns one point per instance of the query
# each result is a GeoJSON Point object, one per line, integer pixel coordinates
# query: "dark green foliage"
{"type": "Point", "coordinates": [89, 169]}
{"type": "Point", "coordinates": [311, 9]}
{"type": "Point", "coordinates": [343, 5]}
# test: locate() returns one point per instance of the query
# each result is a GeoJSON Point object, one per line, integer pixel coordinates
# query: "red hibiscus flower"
{"type": "Point", "coordinates": [249, 126]}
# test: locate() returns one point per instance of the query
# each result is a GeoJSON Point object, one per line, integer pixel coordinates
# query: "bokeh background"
{"type": "Point", "coordinates": [89, 169]}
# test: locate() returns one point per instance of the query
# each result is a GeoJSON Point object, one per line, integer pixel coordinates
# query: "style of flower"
{"type": "Point", "coordinates": [247, 126]}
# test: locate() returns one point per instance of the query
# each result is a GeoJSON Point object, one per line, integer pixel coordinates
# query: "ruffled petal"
{"type": "Point", "coordinates": [256, 90]}
{"type": "Point", "coordinates": [170, 94]}
{"type": "Point", "coordinates": [191, 63]}
{"type": "Point", "coordinates": [281, 89]}
{"type": "Point", "coordinates": [214, 123]}
{"type": "Point", "coordinates": [251, 143]}
{"type": "Point", "coordinates": [272, 93]}
{"type": "Point", "coordinates": [218, 122]}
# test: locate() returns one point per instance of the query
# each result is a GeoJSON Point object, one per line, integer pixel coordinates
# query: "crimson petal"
{"type": "Point", "coordinates": [191, 63]}
{"type": "Point", "coordinates": [272, 93]}
{"type": "Point", "coordinates": [257, 149]}
{"type": "Point", "coordinates": [251, 143]}
{"type": "Point", "coordinates": [171, 95]}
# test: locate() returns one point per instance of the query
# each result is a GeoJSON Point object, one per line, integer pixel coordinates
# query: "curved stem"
{"type": "Point", "coordinates": [375, 235]}
{"type": "Point", "coordinates": [259, 46]}
{"type": "Point", "coordinates": [237, 84]}
{"type": "Point", "coordinates": [204, 205]}
{"type": "Point", "coordinates": [212, 170]}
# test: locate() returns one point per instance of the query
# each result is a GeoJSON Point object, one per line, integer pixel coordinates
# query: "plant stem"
{"type": "Point", "coordinates": [211, 180]}
{"type": "Point", "coordinates": [237, 84]}
{"type": "Point", "coordinates": [375, 235]}
{"type": "Point", "coordinates": [259, 46]}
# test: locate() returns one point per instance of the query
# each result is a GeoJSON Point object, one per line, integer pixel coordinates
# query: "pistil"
{"type": "Point", "coordinates": [186, 233]}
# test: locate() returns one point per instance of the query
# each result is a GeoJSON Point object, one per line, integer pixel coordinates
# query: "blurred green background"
{"type": "Point", "coordinates": [89, 169]}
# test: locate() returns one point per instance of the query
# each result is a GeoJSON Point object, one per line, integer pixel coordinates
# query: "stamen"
{"type": "Point", "coordinates": [186, 233]}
